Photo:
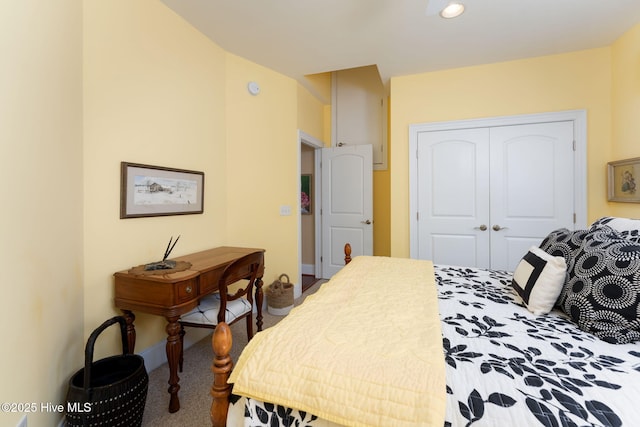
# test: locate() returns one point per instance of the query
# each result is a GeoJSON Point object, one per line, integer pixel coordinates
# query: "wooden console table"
{"type": "Point", "coordinates": [173, 294]}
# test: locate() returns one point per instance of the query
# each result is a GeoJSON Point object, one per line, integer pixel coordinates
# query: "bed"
{"type": "Point", "coordinates": [506, 359]}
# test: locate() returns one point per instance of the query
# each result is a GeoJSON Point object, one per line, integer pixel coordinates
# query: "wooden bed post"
{"type": "Point", "coordinates": [347, 253]}
{"type": "Point", "coordinates": [221, 368]}
{"type": "Point", "coordinates": [222, 365]}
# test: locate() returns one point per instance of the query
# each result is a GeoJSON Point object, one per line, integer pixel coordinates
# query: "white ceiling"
{"type": "Point", "coordinates": [401, 37]}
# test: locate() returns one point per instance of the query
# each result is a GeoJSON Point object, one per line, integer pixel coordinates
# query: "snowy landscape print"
{"type": "Point", "coordinates": [147, 190]}
{"type": "Point", "coordinates": [150, 190]}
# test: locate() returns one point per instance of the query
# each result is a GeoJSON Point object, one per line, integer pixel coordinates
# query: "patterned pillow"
{"type": "Point", "coordinates": [627, 227]}
{"type": "Point", "coordinates": [565, 243]}
{"type": "Point", "coordinates": [538, 279]}
{"type": "Point", "coordinates": [603, 293]}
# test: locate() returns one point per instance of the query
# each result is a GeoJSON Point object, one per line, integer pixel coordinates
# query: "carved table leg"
{"type": "Point", "coordinates": [259, 298]}
{"type": "Point", "coordinates": [173, 357]}
{"type": "Point", "coordinates": [131, 330]}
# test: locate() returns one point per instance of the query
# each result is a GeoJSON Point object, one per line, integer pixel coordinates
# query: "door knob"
{"type": "Point", "coordinates": [481, 228]}
{"type": "Point", "coordinates": [366, 222]}
{"type": "Point", "coordinates": [498, 228]}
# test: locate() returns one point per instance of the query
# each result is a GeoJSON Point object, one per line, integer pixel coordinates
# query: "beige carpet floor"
{"type": "Point", "coordinates": [196, 379]}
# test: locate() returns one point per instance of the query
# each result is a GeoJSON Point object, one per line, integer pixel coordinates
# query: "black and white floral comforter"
{"type": "Point", "coordinates": [508, 367]}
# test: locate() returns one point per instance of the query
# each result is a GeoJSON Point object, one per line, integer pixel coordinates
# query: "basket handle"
{"type": "Point", "coordinates": [284, 275]}
{"type": "Point", "coordinates": [88, 351]}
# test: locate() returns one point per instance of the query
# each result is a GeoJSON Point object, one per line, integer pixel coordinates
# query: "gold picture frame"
{"type": "Point", "coordinates": [622, 186]}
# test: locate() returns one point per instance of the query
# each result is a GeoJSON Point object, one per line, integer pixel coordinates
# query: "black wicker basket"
{"type": "Point", "coordinates": [111, 391]}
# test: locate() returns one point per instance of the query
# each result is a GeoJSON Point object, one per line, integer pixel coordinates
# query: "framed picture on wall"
{"type": "Point", "coordinates": [147, 190]}
{"type": "Point", "coordinates": [305, 194]}
{"type": "Point", "coordinates": [622, 175]}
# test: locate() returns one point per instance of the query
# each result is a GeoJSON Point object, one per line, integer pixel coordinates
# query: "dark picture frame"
{"type": "Point", "coordinates": [622, 175]}
{"type": "Point", "coordinates": [147, 190]}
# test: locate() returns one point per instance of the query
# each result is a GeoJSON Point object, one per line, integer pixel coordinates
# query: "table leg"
{"type": "Point", "coordinates": [173, 357]}
{"type": "Point", "coordinates": [131, 330]}
{"type": "Point", "coordinates": [259, 298]}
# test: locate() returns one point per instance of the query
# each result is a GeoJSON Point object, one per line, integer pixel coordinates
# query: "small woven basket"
{"type": "Point", "coordinates": [280, 296]}
{"type": "Point", "coordinates": [110, 391]}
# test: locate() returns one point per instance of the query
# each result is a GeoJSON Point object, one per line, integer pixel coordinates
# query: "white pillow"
{"type": "Point", "coordinates": [538, 279]}
{"type": "Point", "coordinates": [619, 224]}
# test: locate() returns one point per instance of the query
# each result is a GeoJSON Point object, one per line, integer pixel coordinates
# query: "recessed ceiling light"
{"type": "Point", "coordinates": [452, 10]}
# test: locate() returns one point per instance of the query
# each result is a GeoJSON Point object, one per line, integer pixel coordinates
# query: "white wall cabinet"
{"type": "Point", "coordinates": [359, 111]}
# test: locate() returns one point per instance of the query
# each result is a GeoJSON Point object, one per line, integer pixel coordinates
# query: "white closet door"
{"type": "Point", "coordinates": [485, 195]}
{"type": "Point", "coordinates": [453, 205]}
{"type": "Point", "coordinates": [531, 187]}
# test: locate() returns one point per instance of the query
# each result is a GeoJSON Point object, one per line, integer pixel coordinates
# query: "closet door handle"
{"type": "Point", "coordinates": [498, 228]}
{"type": "Point", "coordinates": [481, 228]}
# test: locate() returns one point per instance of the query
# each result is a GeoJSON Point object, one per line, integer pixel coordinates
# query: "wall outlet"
{"type": "Point", "coordinates": [22, 422]}
{"type": "Point", "coordinates": [285, 210]}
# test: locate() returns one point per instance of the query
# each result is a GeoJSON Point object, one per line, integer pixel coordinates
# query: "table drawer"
{"type": "Point", "coordinates": [186, 290]}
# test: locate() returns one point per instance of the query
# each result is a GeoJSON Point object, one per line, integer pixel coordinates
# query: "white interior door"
{"type": "Point", "coordinates": [531, 187]}
{"type": "Point", "coordinates": [486, 194]}
{"type": "Point", "coordinates": [453, 183]}
{"type": "Point", "coordinates": [347, 204]}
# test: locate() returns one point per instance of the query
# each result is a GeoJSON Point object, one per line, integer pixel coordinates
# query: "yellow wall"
{"type": "Point", "coordinates": [382, 203]}
{"type": "Point", "coordinates": [158, 92]}
{"type": "Point", "coordinates": [625, 142]}
{"type": "Point", "coordinates": [41, 216]}
{"type": "Point", "coordinates": [125, 81]}
{"type": "Point", "coordinates": [319, 85]}
{"type": "Point", "coordinates": [262, 159]}
{"type": "Point", "coordinates": [154, 93]}
{"type": "Point", "coordinates": [381, 212]}
{"type": "Point", "coordinates": [311, 115]}
{"type": "Point", "coordinates": [578, 80]}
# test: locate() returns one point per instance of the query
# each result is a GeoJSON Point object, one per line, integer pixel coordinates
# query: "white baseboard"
{"type": "Point", "coordinates": [297, 290]}
{"type": "Point", "coordinates": [309, 269]}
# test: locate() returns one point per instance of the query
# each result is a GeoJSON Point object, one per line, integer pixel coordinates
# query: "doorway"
{"type": "Point", "coordinates": [309, 242]}
{"type": "Point", "coordinates": [307, 216]}
{"type": "Point", "coordinates": [347, 178]}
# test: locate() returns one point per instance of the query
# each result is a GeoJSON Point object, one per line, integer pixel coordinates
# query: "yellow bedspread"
{"type": "Point", "coordinates": [364, 350]}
